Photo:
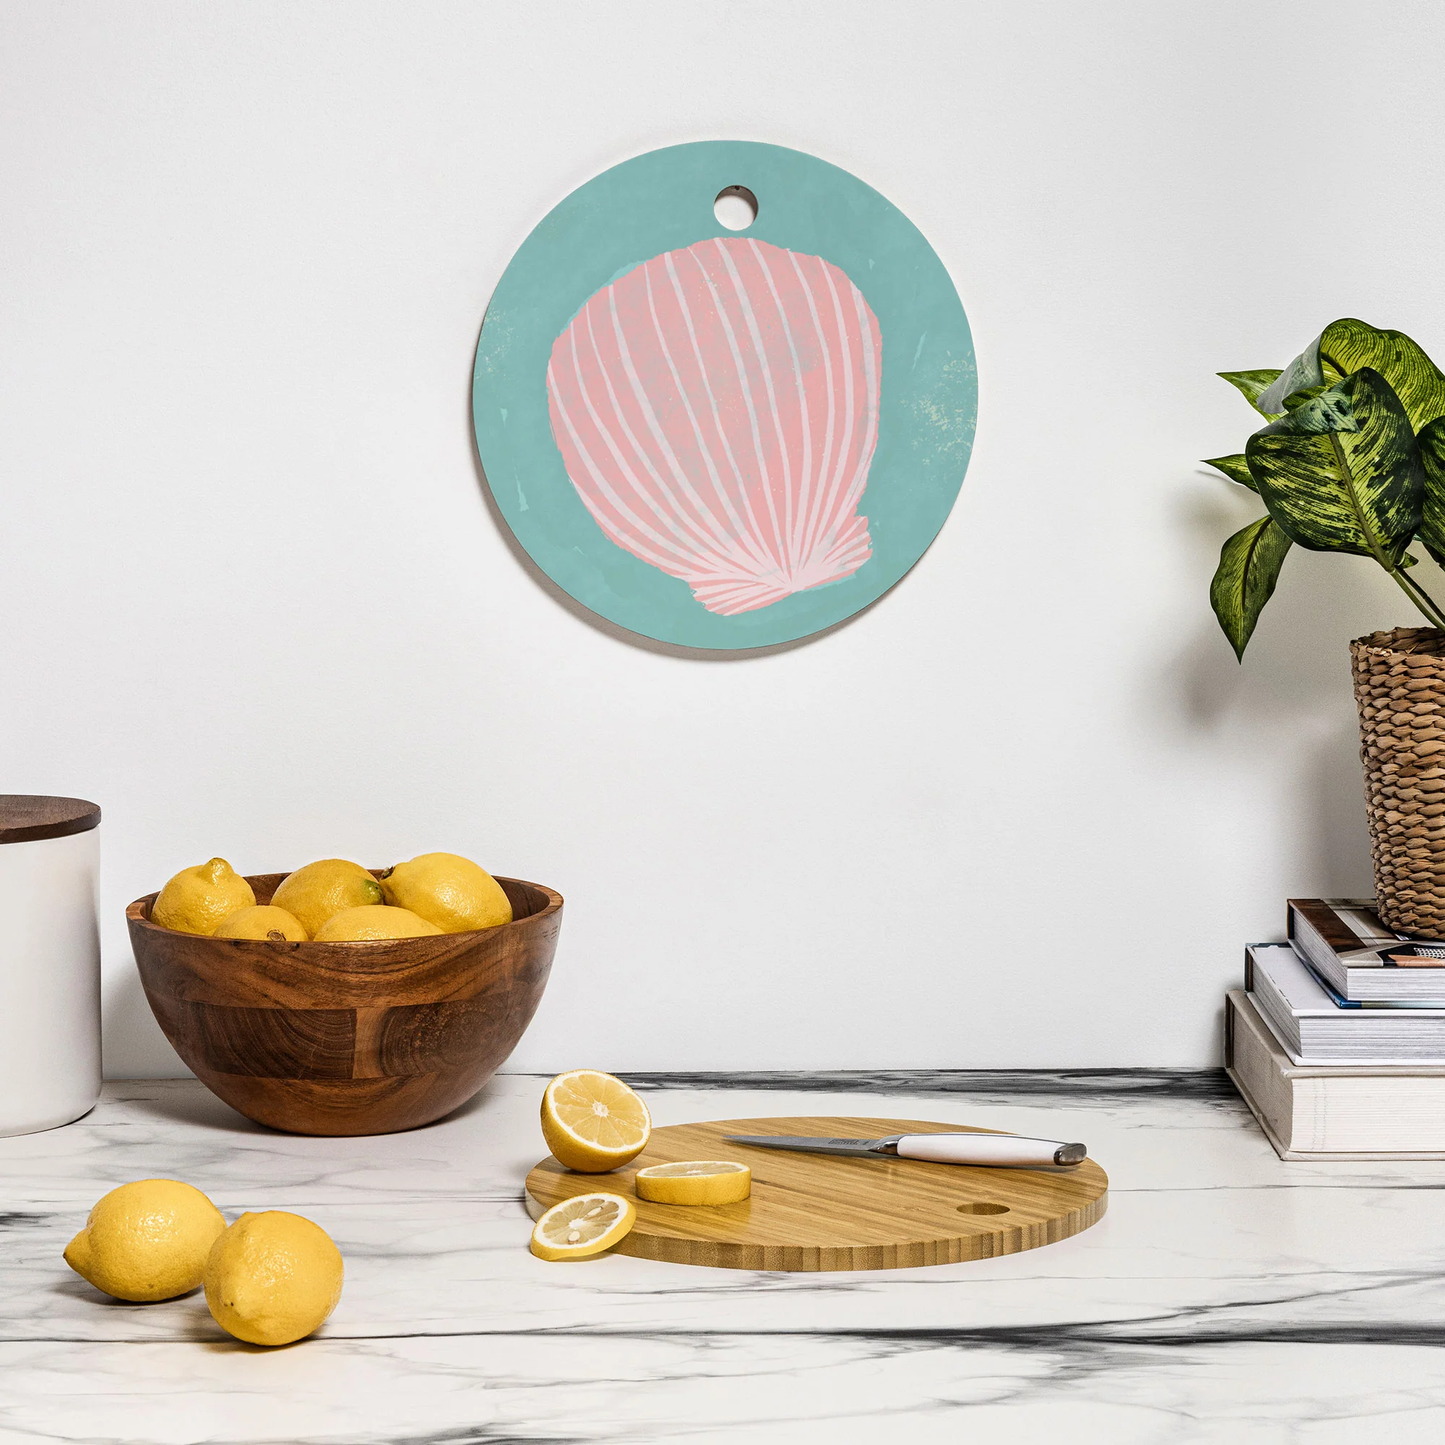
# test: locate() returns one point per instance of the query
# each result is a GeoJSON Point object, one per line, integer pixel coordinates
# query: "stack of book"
{"type": "Point", "coordinates": [1338, 1041]}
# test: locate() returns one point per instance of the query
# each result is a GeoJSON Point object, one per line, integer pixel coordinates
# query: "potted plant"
{"type": "Point", "coordinates": [1352, 459]}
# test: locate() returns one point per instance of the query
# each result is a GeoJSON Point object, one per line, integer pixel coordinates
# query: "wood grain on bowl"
{"type": "Point", "coordinates": [348, 1038]}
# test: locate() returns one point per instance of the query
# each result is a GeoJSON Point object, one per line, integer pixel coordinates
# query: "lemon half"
{"type": "Point", "coordinates": [695, 1181]}
{"type": "Point", "coordinates": [593, 1122]}
{"type": "Point", "coordinates": [583, 1226]}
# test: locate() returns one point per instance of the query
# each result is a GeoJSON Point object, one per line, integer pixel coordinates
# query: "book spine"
{"type": "Point", "coordinates": [1273, 1006]}
{"type": "Point", "coordinates": [1332, 1111]}
{"type": "Point", "coordinates": [1314, 916]}
{"type": "Point", "coordinates": [1265, 1085]}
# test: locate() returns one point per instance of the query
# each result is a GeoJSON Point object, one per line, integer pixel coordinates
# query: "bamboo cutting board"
{"type": "Point", "coordinates": [828, 1211]}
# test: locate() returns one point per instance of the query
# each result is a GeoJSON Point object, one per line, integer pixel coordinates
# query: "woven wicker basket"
{"type": "Point", "coordinates": [1400, 689]}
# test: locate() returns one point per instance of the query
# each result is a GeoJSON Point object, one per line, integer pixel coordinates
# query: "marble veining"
{"type": "Point", "coordinates": [1106, 1085]}
{"type": "Point", "coordinates": [1225, 1296]}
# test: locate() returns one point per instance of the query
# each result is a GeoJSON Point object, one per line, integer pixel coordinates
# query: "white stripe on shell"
{"type": "Point", "coordinates": [815, 502]}
{"type": "Point", "coordinates": [745, 303]}
{"type": "Point", "coordinates": [603, 520]}
{"type": "Point", "coordinates": [794, 517]}
{"type": "Point", "coordinates": [739, 533]}
{"type": "Point", "coordinates": [744, 499]}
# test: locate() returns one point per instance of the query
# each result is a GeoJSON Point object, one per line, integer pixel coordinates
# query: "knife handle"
{"type": "Point", "coordinates": [1007, 1151]}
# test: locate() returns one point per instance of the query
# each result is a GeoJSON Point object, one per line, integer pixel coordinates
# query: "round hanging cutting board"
{"type": "Point", "coordinates": [830, 1212]}
{"type": "Point", "coordinates": [725, 438]}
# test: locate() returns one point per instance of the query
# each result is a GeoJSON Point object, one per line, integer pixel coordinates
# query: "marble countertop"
{"type": "Point", "coordinates": [1225, 1296]}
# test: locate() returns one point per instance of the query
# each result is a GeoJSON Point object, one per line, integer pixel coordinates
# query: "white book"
{"type": "Point", "coordinates": [1342, 1111]}
{"type": "Point", "coordinates": [1316, 1030]}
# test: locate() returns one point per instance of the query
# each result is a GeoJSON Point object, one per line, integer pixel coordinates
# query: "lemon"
{"type": "Point", "coordinates": [452, 892]}
{"type": "Point", "coordinates": [273, 1278]}
{"type": "Point", "coordinates": [583, 1226]}
{"type": "Point", "coordinates": [197, 899]}
{"type": "Point", "coordinates": [321, 890]}
{"type": "Point", "coordinates": [695, 1181]}
{"type": "Point", "coordinates": [261, 921]}
{"type": "Point", "coordinates": [376, 920]}
{"type": "Point", "coordinates": [147, 1240]}
{"type": "Point", "coordinates": [593, 1122]}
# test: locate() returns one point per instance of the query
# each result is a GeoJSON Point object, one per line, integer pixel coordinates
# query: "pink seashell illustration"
{"type": "Point", "coordinates": [717, 412]}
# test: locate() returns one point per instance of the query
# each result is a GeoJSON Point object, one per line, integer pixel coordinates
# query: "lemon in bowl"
{"type": "Point", "coordinates": [448, 890]}
{"type": "Point", "coordinates": [321, 890]}
{"type": "Point", "coordinates": [197, 899]}
{"type": "Point", "coordinates": [261, 920]}
{"type": "Point", "coordinates": [377, 920]}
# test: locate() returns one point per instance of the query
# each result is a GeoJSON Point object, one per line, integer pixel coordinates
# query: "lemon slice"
{"type": "Point", "coordinates": [695, 1181]}
{"type": "Point", "coordinates": [582, 1226]}
{"type": "Point", "coordinates": [593, 1122]}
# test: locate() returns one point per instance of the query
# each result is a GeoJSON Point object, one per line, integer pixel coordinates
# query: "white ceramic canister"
{"type": "Point", "coordinates": [49, 961]}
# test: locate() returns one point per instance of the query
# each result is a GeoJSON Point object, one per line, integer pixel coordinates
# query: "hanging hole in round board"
{"type": "Point", "coordinates": [736, 207]}
{"type": "Point", "coordinates": [982, 1207]}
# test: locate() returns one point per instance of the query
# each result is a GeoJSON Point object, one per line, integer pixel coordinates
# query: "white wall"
{"type": "Point", "coordinates": [1024, 812]}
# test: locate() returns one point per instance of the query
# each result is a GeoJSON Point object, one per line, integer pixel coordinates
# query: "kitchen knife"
{"type": "Point", "coordinates": [1005, 1151]}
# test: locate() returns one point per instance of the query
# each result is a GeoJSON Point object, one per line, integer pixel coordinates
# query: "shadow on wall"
{"type": "Point", "coordinates": [1290, 705]}
{"type": "Point", "coordinates": [611, 629]}
{"type": "Point", "coordinates": [132, 1044]}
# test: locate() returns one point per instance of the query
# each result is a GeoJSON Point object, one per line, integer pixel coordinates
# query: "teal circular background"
{"type": "Point", "coordinates": [663, 201]}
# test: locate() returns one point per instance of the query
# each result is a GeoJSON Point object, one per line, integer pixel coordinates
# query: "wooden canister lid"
{"type": "Point", "coordinates": [24, 817]}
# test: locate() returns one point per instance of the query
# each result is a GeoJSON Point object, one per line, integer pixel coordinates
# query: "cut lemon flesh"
{"type": "Point", "coordinates": [593, 1122]}
{"type": "Point", "coordinates": [583, 1226]}
{"type": "Point", "coordinates": [695, 1181]}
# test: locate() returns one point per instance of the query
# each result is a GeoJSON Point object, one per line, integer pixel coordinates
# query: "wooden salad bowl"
{"type": "Point", "coordinates": [348, 1038]}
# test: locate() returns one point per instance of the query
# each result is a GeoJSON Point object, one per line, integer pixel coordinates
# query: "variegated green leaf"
{"type": "Point", "coordinates": [1342, 473]}
{"type": "Point", "coordinates": [1249, 564]}
{"type": "Point", "coordinates": [1347, 346]}
{"type": "Point", "coordinates": [1251, 385]}
{"type": "Point", "coordinates": [1303, 372]}
{"type": "Point", "coordinates": [1236, 468]}
{"type": "Point", "coordinates": [1431, 441]}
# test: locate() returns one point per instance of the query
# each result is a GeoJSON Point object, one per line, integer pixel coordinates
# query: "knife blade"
{"type": "Point", "coordinates": [1000, 1151]}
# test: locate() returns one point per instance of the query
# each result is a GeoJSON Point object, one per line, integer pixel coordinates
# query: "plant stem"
{"type": "Point", "coordinates": [1418, 595]}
